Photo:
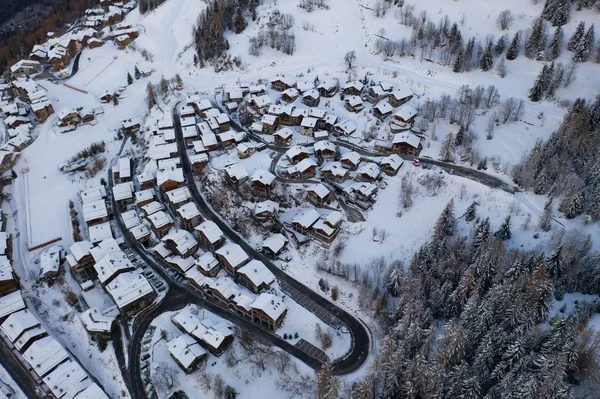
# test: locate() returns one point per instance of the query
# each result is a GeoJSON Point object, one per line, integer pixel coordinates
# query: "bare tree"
{"type": "Point", "coordinates": [505, 20]}
{"type": "Point", "coordinates": [447, 147]}
{"type": "Point", "coordinates": [165, 376]}
{"type": "Point", "coordinates": [508, 108]}
{"type": "Point", "coordinates": [490, 127]}
{"type": "Point", "coordinates": [349, 59]}
{"type": "Point", "coordinates": [219, 385]}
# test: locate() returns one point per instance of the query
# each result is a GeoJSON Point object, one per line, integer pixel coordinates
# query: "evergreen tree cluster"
{"type": "Point", "coordinates": [581, 43]}
{"type": "Point", "coordinates": [568, 163]}
{"type": "Point", "coordinates": [148, 5]}
{"type": "Point", "coordinates": [490, 302]}
{"type": "Point", "coordinates": [551, 77]}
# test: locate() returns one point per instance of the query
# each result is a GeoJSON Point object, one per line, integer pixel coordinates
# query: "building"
{"type": "Point", "coordinates": [170, 179]}
{"type": "Point", "coordinates": [123, 193]}
{"type": "Point", "coordinates": [304, 220]}
{"type": "Point", "coordinates": [345, 128]}
{"type": "Point", "coordinates": [333, 171]}
{"type": "Point", "coordinates": [382, 110]}
{"type": "Point", "coordinates": [144, 197]}
{"type": "Point", "coordinates": [25, 68]}
{"type": "Point", "coordinates": [269, 124]}
{"type": "Point", "coordinates": [124, 168]}
{"type": "Point", "coordinates": [160, 223]}
{"type": "Point", "coordinates": [131, 291]}
{"type": "Point", "coordinates": [351, 160]}
{"type": "Point", "coordinates": [111, 265]}
{"type": "Point", "coordinates": [245, 150]}
{"type": "Point", "coordinates": [403, 119]}
{"type": "Point", "coordinates": [283, 137]}
{"type": "Point", "coordinates": [45, 355]}
{"type": "Point", "coordinates": [262, 183]}
{"type": "Point", "coordinates": [67, 380]}
{"type": "Point", "coordinates": [11, 303]}
{"type": "Point", "coordinates": [353, 88]}
{"type": "Point", "coordinates": [368, 172]}
{"type": "Point", "coordinates": [96, 323]}
{"type": "Point", "coordinates": [268, 310]}
{"type": "Point", "coordinates": [22, 328]}
{"type": "Point", "coordinates": [266, 210]}
{"type": "Point", "coordinates": [327, 228]}
{"type": "Point", "coordinates": [290, 95]}
{"type": "Point", "coordinates": [256, 276]}
{"type": "Point", "coordinates": [362, 192]}
{"type": "Point", "coordinates": [399, 97]}
{"type": "Point", "coordinates": [210, 235]}
{"type": "Point", "coordinates": [391, 164]}
{"type": "Point", "coordinates": [50, 262]}
{"type": "Point", "coordinates": [308, 126]}
{"type": "Point", "coordinates": [8, 282]}
{"type": "Point", "coordinates": [311, 98]}
{"type": "Point", "coordinates": [186, 352]}
{"type": "Point", "coordinates": [99, 232]}
{"type": "Point", "coordinates": [208, 264]}
{"type": "Point", "coordinates": [274, 245]}
{"type": "Point", "coordinates": [181, 241]}
{"type": "Point", "coordinates": [377, 93]}
{"type": "Point", "coordinates": [282, 83]}
{"type": "Point", "coordinates": [198, 162]}
{"type": "Point", "coordinates": [189, 214]}
{"type": "Point", "coordinates": [353, 104]}
{"type": "Point", "coordinates": [232, 257]}
{"type": "Point", "coordinates": [81, 261]}
{"type": "Point", "coordinates": [319, 195]}
{"type": "Point", "coordinates": [236, 175]}
{"type": "Point", "coordinates": [325, 149]}
{"type": "Point", "coordinates": [328, 88]}
{"type": "Point", "coordinates": [304, 169]}
{"type": "Point", "coordinates": [297, 153]}
{"type": "Point", "coordinates": [178, 197]}
{"type": "Point", "coordinates": [407, 143]}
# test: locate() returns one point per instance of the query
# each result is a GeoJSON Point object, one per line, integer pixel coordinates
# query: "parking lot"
{"type": "Point", "coordinates": [311, 350]}
{"type": "Point", "coordinates": [318, 311]}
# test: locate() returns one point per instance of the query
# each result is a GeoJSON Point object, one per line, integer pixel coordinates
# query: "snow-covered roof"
{"type": "Point", "coordinates": [352, 157]}
{"type": "Point", "coordinates": [94, 321]}
{"type": "Point", "coordinates": [312, 94]}
{"type": "Point", "coordinates": [266, 206]}
{"type": "Point", "coordinates": [355, 84]}
{"type": "Point", "coordinates": [50, 260]}
{"type": "Point", "coordinates": [145, 177]}
{"type": "Point", "coordinates": [309, 122]}
{"type": "Point", "coordinates": [6, 271]}
{"type": "Point", "coordinates": [11, 303]}
{"type": "Point", "coordinates": [275, 242]}
{"type": "Point", "coordinates": [203, 128]}
{"type": "Point", "coordinates": [401, 93]}
{"type": "Point", "coordinates": [188, 211]}
{"type": "Point", "coordinates": [124, 167]}
{"type": "Point", "coordinates": [295, 151]}
{"type": "Point", "coordinates": [261, 101]}
{"type": "Point", "coordinates": [169, 163]}
{"type": "Point", "coordinates": [107, 246]}
{"type": "Point", "coordinates": [335, 168]}
{"type": "Point", "coordinates": [256, 272]}
{"type": "Point", "coordinates": [302, 166]}
{"type": "Point", "coordinates": [131, 218]}
{"type": "Point", "coordinates": [320, 225]}
{"type": "Point", "coordinates": [305, 85]}
{"type": "Point", "coordinates": [67, 379]}
{"type": "Point", "coordinates": [270, 304]}
{"type": "Point", "coordinates": [199, 146]}
{"type": "Point", "coordinates": [25, 64]}
{"type": "Point", "coordinates": [263, 176]}
{"type": "Point", "coordinates": [291, 92]}
{"type": "Point", "coordinates": [210, 230]}
{"type": "Point", "coordinates": [153, 207]}
{"type": "Point", "coordinates": [365, 189]}
{"type": "Point", "coordinates": [317, 113]}
{"type": "Point", "coordinates": [236, 171]}
{"type": "Point", "coordinates": [227, 136]}
{"type": "Point", "coordinates": [123, 191]}
{"type": "Point", "coordinates": [408, 138]}
{"type": "Point", "coordinates": [203, 105]}
{"type": "Point", "coordinates": [333, 218]}
{"type": "Point", "coordinates": [94, 210]}
{"type": "Point", "coordinates": [353, 101]}
{"type": "Point", "coordinates": [284, 133]}
{"type": "Point", "coordinates": [324, 145]}
{"type": "Point", "coordinates": [17, 323]}
{"type": "Point", "coordinates": [179, 195]}
{"type": "Point", "coordinates": [384, 107]}
{"type": "Point", "coordinates": [269, 120]}
{"type": "Point", "coordinates": [161, 250]}
{"type": "Point", "coordinates": [128, 287]}
{"type": "Point", "coordinates": [285, 80]}
{"type": "Point", "coordinates": [224, 285]}
{"type": "Point", "coordinates": [185, 350]}
{"type": "Point", "coordinates": [233, 254]}
{"type": "Point", "coordinates": [327, 84]}
{"type": "Point", "coordinates": [92, 392]}
{"type": "Point", "coordinates": [159, 219]}
{"type": "Point", "coordinates": [45, 354]}
{"type": "Point", "coordinates": [370, 169]}
{"type": "Point", "coordinates": [405, 113]}
{"type": "Point", "coordinates": [140, 231]}
{"type": "Point", "coordinates": [207, 262]}
{"type": "Point", "coordinates": [393, 161]}
{"type": "Point", "coordinates": [131, 123]}
{"type": "Point", "coordinates": [347, 126]}
{"type": "Point", "coordinates": [198, 158]}
{"type": "Point", "coordinates": [81, 249]}
{"type": "Point", "coordinates": [183, 263]}
{"type": "Point", "coordinates": [99, 232]}
{"type": "Point", "coordinates": [300, 112]}
{"type": "Point", "coordinates": [209, 139]}
{"type": "Point", "coordinates": [278, 110]}
{"type": "Point", "coordinates": [111, 265]}
{"type": "Point", "coordinates": [184, 240]}
{"type": "Point", "coordinates": [306, 217]}
{"type": "Point", "coordinates": [163, 176]}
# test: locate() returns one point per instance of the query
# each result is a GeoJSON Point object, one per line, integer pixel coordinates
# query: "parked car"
{"type": "Point", "coordinates": [416, 162]}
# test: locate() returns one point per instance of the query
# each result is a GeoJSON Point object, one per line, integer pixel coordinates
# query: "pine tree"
{"type": "Point", "coordinates": [239, 22]}
{"type": "Point", "coordinates": [545, 223]}
{"type": "Point", "coordinates": [576, 37]}
{"type": "Point", "coordinates": [583, 50]}
{"type": "Point", "coordinates": [536, 42]}
{"type": "Point", "coordinates": [460, 136]}
{"type": "Point", "coordinates": [468, 55]}
{"type": "Point", "coordinates": [447, 147]}
{"type": "Point", "coordinates": [129, 78]}
{"type": "Point", "coordinates": [557, 11]}
{"type": "Point", "coordinates": [500, 45]}
{"type": "Point", "coordinates": [555, 262]}
{"type": "Point", "coordinates": [513, 49]}
{"type": "Point", "coordinates": [137, 73]}
{"type": "Point", "coordinates": [115, 99]}
{"type": "Point", "coordinates": [395, 281]}
{"type": "Point", "coordinates": [503, 233]}
{"type": "Point", "coordinates": [537, 91]}
{"type": "Point", "coordinates": [572, 203]}
{"type": "Point", "coordinates": [553, 50]}
{"type": "Point", "coordinates": [471, 211]}
{"type": "Point", "coordinates": [328, 385]}
{"type": "Point", "coordinates": [446, 222]}
{"type": "Point", "coordinates": [501, 68]}
{"type": "Point", "coordinates": [595, 115]}
{"type": "Point", "coordinates": [482, 234]}
{"type": "Point", "coordinates": [458, 62]}
{"type": "Point", "coordinates": [150, 96]}
{"type": "Point", "coordinates": [487, 60]}
{"type": "Point", "coordinates": [364, 390]}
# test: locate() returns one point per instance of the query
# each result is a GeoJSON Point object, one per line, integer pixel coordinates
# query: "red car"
{"type": "Point", "coordinates": [416, 162]}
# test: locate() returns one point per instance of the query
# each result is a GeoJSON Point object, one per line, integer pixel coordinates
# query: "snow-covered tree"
{"type": "Point", "coordinates": [150, 96]}
{"type": "Point", "coordinates": [503, 232]}
{"type": "Point", "coordinates": [545, 222]}
{"type": "Point", "coordinates": [487, 59]}
{"type": "Point", "coordinates": [129, 78]}
{"type": "Point", "coordinates": [458, 62]}
{"type": "Point", "coordinates": [505, 19]}
{"type": "Point", "coordinates": [471, 211]}
{"type": "Point", "coordinates": [482, 234]}
{"type": "Point", "coordinates": [555, 261]}
{"type": "Point", "coordinates": [553, 50]}
{"type": "Point", "coordinates": [536, 43]}
{"type": "Point", "coordinates": [576, 37]}
{"type": "Point", "coordinates": [583, 49]}
{"type": "Point", "coordinates": [513, 49]}
{"type": "Point", "coordinates": [557, 11]}
{"type": "Point", "coordinates": [500, 45]}
{"type": "Point", "coordinates": [446, 222]}
{"type": "Point", "coordinates": [447, 148]}
{"type": "Point", "coordinates": [536, 92]}
{"type": "Point", "coordinates": [501, 68]}
{"type": "Point", "coordinates": [239, 22]}
{"type": "Point", "coordinates": [350, 59]}
{"type": "Point", "coordinates": [137, 72]}
{"type": "Point", "coordinates": [328, 385]}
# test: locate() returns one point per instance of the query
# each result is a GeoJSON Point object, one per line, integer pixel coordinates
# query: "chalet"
{"type": "Point", "coordinates": [131, 125]}
{"type": "Point", "coordinates": [58, 57]}
{"type": "Point", "coordinates": [333, 171]}
{"type": "Point", "coordinates": [328, 88]}
{"type": "Point", "coordinates": [210, 142]}
{"type": "Point", "coordinates": [319, 195]}
{"type": "Point", "coordinates": [107, 97]}
{"type": "Point", "coordinates": [257, 90]}
{"type": "Point", "coordinates": [210, 235]}
{"type": "Point", "coordinates": [274, 245]}
{"type": "Point", "coordinates": [325, 149]}
{"type": "Point", "coordinates": [384, 146]}
{"type": "Point", "coordinates": [382, 110]}
{"type": "Point", "coordinates": [327, 228]}
{"type": "Point", "coordinates": [377, 93]}
{"type": "Point", "coordinates": [399, 97]}
{"type": "Point", "coordinates": [222, 121]}
{"type": "Point", "coordinates": [189, 134]}
{"type": "Point", "coordinates": [308, 126]}
{"type": "Point", "coordinates": [236, 175]}
{"type": "Point", "coordinates": [15, 121]}
{"type": "Point", "coordinates": [122, 41]}
{"type": "Point", "coordinates": [81, 261]}
{"type": "Point", "coordinates": [256, 276]}
{"type": "Point", "coordinates": [179, 262]}
{"type": "Point", "coordinates": [45, 355]}
{"type": "Point", "coordinates": [318, 114]}
{"type": "Point", "coordinates": [24, 68]}
{"type": "Point", "coordinates": [131, 292]}
{"type": "Point", "coordinates": [234, 94]}
{"type": "Point", "coordinates": [152, 207]}
{"type": "Point", "coordinates": [160, 223]}
{"type": "Point", "coordinates": [227, 139]}
{"type": "Point", "coordinates": [97, 324]}
{"type": "Point", "coordinates": [328, 123]}
{"type": "Point", "coordinates": [361, 191]}
{"type": "Point", "coordinates": [181, 242]}
{"type": "Point", "coordinates": [368, 172]}
{"type": "Point", "coordinates": [100, 232]}
{"type": "Point", "coordinates": [144, 197]}
{"type": "Point", "coordinates": [209, 113]}
{"type": "Point", "coordinates": [198, 162]}
{"type": "Point", "coordinates": [178, 197]}
{"type": "Point", "coordinates": [11, 303]}
{"type": "Point", "coordinates": [353, 88]}
{"type": "Point", "coordinates": [42, 109]}
{"type": "Point", "coordinates": [269, 124]}
{"type": "Point", "coordinates": [304, 169]}
{"type": "Point", "coordinates": [260, 104]}
{"type": "Point", "coordinates": [297, 115]}
{"type": "Point", "coordinates": [111, 265]}
{"type": "Point", "coordinates": [304, 220]}
{"type": "Point", "coordinates": [95, 212]}
{"type": "Point", "coordinates": [262, 183]}
{"type": "Point", "coordinates": [354, 104]}
{"type": "Point", "coordinates": [321, 135]}
{"type": "Point", "coordinates": [124, 167]}
{"type": "Point", "coordinates": [283, 113]}
{"type": "Point", "coordinates": [311, 98]}
{"type": "Point", "coordinates": [297, 153]}
{"type": "Point", "coordinates": [282, 83]}
{"type": "Point", "coordinates": [345, 128]}
{"type": "Point", "coordinates": [351, 160]}
{"type": "Point", "coordinates": [94, 43]}
{"type": "Point", "coordinates": [244, 150]}
{"type": "Point", "coordinates": [268, 310]}
{"type": "Point", "coordinates": [8, 282]}
{"type": "Point", "coordinates": [266, 210]}
{"type": "Point", "coordinates": [169, 179]}
{"type": "Point", "coordinates": [283, 137]}
{"type": "Point", "coordinates": [232, 257]}
{"type": "Point", "coordinates": [187, 110]}
{"type": "Point", "coordinates": [407, 143]}
{"type": "Point", "coordinates": [208, 264]}
{"type": "Point", "coordinates": [50, 263]}
{"type": "Point", "coordinates": [305, 86]}
{"type": "Point", "coordinates": [39, 53]}
{"type": "Point", "coordinates": [21, 329]}
{"type": "Point", "coordinates": [290, 95]}
{"type": "Point", "coordinates": [403, 119]}
{"type": "Point", "coordinates": [189, 215]}
{"type": "Point", "coordinates": [186, 352]}
{"type": "Point", "coordinates": [391, 164]}
{"type": "Point", "coordinates": [68, 116]}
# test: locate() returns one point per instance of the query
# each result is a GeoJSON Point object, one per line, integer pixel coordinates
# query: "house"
{"type": "Point", "coordinates": [95, 212]}
{"type": "Point", "coordinates": [124, 167]}
{"type": "Point", "coordinates": [399, 97]}
{"type": "Point", "coordinates": [8, 282]}
{"type": "Point", "coordinates": [50, 262]}
{"type": "Point", "coordinates": [131, 125]}
{"type": "Point", "coordinates": [178, 197]}
{"type": "Point", "coordinates": [232, 257]}
{"type": "Point", "coordinates": [345, 128]}
{"type": "Point", "coordinates": [262, 182]}
{"type": "Point", "coordinates": [186, 352]}
{"type": "Point", "coordinates": [215, 337]}
{"type": "Point", "coordinates": [236, 175]}
{"type": "Point", "coordinates": [304, 169]}
{"type": "Point", "coordinates": [256, 276]}
{"type": "Point", "coordinates": [361, 191]}
{"type": "Point", "coordinates": [170, 179]}
{"type": "Point", "coordinates": [308, 125]}
{"type": "Point", "coordinates": [368, 172]}
{"type": "Point", "coordinates": [209, 141]}
{"type": "Point", "coordinates": [122, 41]}
{"type": "Point", "coordinates": [208, 264]}
{"type": "Point", "coordinates": [234, 94]}
{"type": "Point", "coordinates": [283, 114]}
{"type": "Point", "coordinates": [11, 303]}
{"type": "Point", "coordinates": [283, 137]}
{"type": "Point", "coordinates": [333, 171]}
{"type": "Point", "coordinates": [94, 43]}
{"type": "Point", "coordinates": [297, 115]}
{"type": "Point", "coordinates": [266, 210]}
{"type": "Point", "coordinates": [81, 261]}
{"type": "Point", "coordinates": [328, 88]}
{"type": "Point", "coordinates": [268, 310]}
{"type": "Point", "coordinates": [353, 104]}
{"type": "Point", "coordinates": [13, 121]}
{"type": "Point", "coordinates": [123, 193]}
{"type": "Point", "coordinates": [351, 160]}
{"type": "Point", "coordinates": [305, 85]}
{"type": "Point", "coordinates": [189, 215]}
{"type": "Point", "coordinates": [325, 149]}
{"type": "Point", "coordinates": [260, 104]}
{"type": "Point", "coordinates": [210, 235]}
{"type": "Point", "coordinates": [353, 88]}
{"type": "Point", "coordinates": [111, 265]}
{"type": "Point", "coordinates": [311, 98]}
{"type": "Point", "coordinates": [58, 57]}
{"type": "Point", "coordinates": [328, 227]}
{"type": "Point", "coordinates": [269, 124]}
{"type": "Point", "coordinates": [274, 245]}
{"type": "Point", "coordinates": [44, 355]}
{"type": "Point", "coordinates": [24, 68]}
{"type": "Point", "coordinates": [146, 180]}
{"type": "Point", "coordinates": [391, 164]}
{"type": "Point", "coordinates": [297, 153]}
{"type": "Point", "coordinates": [319, 195]}
{"type": "Point", "coordinates": [282, 83]}
{"type": "Point", "coordinates": [99, 232]}
{"type": "Point", "coordinates": [244, 150]}
{"type": "Point", "coordinates": [382, 110]}
{"type": "Point", "coordinates": [21, 329]}
{"type": "Point", "coordinates": [131, 292]}
{"type": "Point", "coordinates": [403, 119]}
{"type": "Point", "coordinates": [198, 162]}
{"type": "Point", "coordinates": [377, 93]}
{"type": "Point", "coordinates": [42, 109]}
{"type": "Point", "coordinates": [160, 223]}
{"type": "Point", "coordinates": [407, 143]}
{"type": "Point", "coordinates": [181, 241]}
{"type": "Point", "coordinates": [304, 220]}
{"type": "Point", "coordinates": [144, 197]}
{"type": "Point", "coordinates": [290, 95]}
{"type": "Point", "coordinates": [222, 121]}
{"type": "Point", "coordinates": [97, 324]}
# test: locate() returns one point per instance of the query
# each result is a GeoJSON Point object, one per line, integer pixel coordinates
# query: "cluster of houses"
{"type": "Point", "coordinates": [48, 361]}
{"type": "Point", "coordinates": [70, 118]}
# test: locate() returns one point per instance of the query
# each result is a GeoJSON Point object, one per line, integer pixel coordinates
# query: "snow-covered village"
{"type": "Point", "coordinates": [300, 199]}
